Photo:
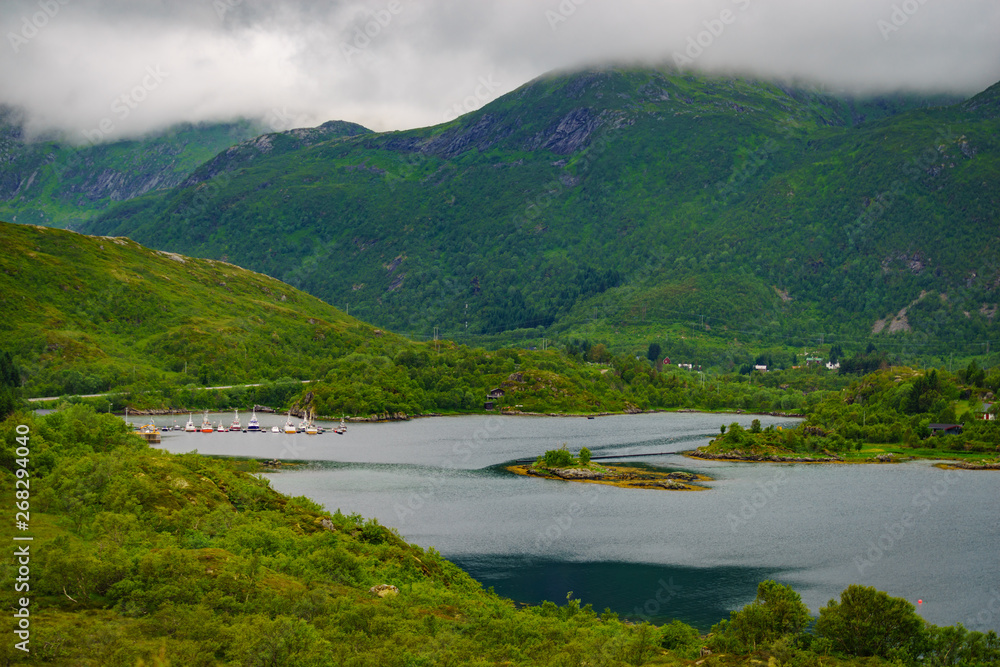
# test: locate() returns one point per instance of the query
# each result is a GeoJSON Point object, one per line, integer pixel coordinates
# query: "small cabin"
{"type": "Point", "coordinates": [488, 405]}
{"type": "Point", "coordinates": [495, 393]}
{"type": "Point", "coordinates": [945, 429]}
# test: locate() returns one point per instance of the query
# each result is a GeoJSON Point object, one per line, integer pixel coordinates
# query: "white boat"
{"type": "Point", "coordinates": [236, 425]}
{"type": "Point", "coordinates": [275, 429]}
{"type": "Point", "coordinates": [310, 426]}
{"type": "Point", "coordinates": [253, 424]}
{"type": "Point", "coordinates": [342, 429]}
{"type": "Point", "coordinates": [221, 428]}
{"type": "Point", "coordinates": [289, 426]}
{"type": "Point", "coordinates": [206, 426]}
{"type": "Point", "coordinates": [190, 427]}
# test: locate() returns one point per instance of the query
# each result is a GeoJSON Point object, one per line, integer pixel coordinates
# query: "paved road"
{"type": "Point", "coordinates": [228, 386]}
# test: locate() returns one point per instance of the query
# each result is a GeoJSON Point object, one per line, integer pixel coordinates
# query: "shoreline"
{"type": "Point", "coordinates": [626, 477]}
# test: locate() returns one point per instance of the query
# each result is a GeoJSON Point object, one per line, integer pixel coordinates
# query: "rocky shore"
{"type": "Point", "coordinates": [737, 455]}
{"type": "Point", "coordinates": [627, 477]}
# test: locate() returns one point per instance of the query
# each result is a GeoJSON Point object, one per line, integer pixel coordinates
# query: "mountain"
{"type": "Point", "coordinates": [53, 182]}
{"type": "Point", "coordinates": [623, 204]}
{"type": "Point", "coordinates": [86, 314]}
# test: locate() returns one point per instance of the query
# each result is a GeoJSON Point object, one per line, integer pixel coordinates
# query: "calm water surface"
{"type": "Point", "coordinates": [912, 530]}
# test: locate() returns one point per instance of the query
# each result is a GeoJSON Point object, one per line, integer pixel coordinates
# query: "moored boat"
{"type": "Point", "coordinates": [206, 426]}
{"type": "Point", "coordinates": [236, 425]}
{"type": "Point", "coordinates": [190, 427]}
{"type": "Point", "coordinates": [289, 426]}
{"type": "Point", "coordinates": [253, 424]}
{"type": "Point", "coordinates": [221, 428]}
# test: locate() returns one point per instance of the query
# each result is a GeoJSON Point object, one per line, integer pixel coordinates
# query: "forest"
{"type": "Point", "coordinates": [141, 557]}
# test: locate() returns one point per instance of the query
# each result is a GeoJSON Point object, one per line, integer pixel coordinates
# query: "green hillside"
{"type": "Point", "coordinates": [140, 557]}
{"type": "Point", "coordinates": [87, 314]}
{"type": "Point", "coordinates": [93, 314]}
{"type": "Point", "coordinates": [614, 204]}
{"type": "Point", "coordinates": [59, 183]}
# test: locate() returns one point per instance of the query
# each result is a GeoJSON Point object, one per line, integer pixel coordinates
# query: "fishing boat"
{"type": "Point", "coordinates": [310, 426]}
{"type": "Point", "coordinates": [253, 424]}
{"type": "Point", "coordinates": [342, 429]}
{"type": "Point", "coordinates": [236, 425]}
{"type": "Point", "coordinates": [150, 433]}
{"type": "Point", "coordinates": [190, 427]}
{"type": "Point", "coordinates": [221, 428]}
{"type": "Point", "coordinates": [289, 426]}
{"type": "Point", "coordinates": [206, 426]}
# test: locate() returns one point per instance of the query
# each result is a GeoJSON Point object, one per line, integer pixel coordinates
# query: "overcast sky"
{"type": "Point", "coordinates": [117, 68]}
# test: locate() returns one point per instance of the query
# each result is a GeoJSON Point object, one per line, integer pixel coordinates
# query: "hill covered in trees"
{"type": "Point", "coordinates": [615, 204]}
{"type": "Point", "coordinates": [140, 555]}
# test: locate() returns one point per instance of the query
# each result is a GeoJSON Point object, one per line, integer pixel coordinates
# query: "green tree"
{"type": "Point", "coordinates": [866, 622]}
{"type": "Point", "coordinates": [10, 384]}
{"type": "Point", "coordinates": [653, 353]}
{"type": "Point", "coordinates": [776, 611]}
{"type": "Point", "coordinates": [585, 456]}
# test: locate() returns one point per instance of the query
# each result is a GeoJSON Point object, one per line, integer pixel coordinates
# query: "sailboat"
{"type": "Point", "coordinates": [206, 426]}
{"type": "Point", "coordinates": [253, 424]}
{"type": "Point", "coordinates": [289, 426]}
{"type": "Point", "coordinates": [342, 429]}
{"type": "Point", "coordinates": [190, 427]}
{"type": "Point", "coordinates": [236, 425]}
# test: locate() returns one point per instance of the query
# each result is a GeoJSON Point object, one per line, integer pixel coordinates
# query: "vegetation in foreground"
{"type": "Point", "coordinates": [892, 413]}
{"type": "Point", "coordinates": [143, 557]}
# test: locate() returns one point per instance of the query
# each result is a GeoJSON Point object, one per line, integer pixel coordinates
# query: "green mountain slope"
{"type": "Point", "coordinates": [55, 183]}
{"type": "Point", "coordinates": [89, 314]}
{"type": "Point", "coordinates": [85, 314]}
{"type": "Point", "coordinates": [626, 200]}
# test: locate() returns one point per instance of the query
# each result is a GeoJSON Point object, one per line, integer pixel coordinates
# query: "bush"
{"type": "Point", "coordinates": [867, 622]}
{"type": "Point", "coordinates": [555, 458]}
{"type": "Point", "coordinates": [775, 612]}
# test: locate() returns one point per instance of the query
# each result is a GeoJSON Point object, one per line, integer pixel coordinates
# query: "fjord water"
{"type": "Point", "coordinates": [912, 530]}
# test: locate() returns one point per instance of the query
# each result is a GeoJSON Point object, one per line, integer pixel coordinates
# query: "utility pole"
{"type": "Point", "coordinates": [437, 347]}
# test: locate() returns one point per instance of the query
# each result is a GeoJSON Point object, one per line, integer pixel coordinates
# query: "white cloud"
{"type": "Point", "coordinates": [395, 64]}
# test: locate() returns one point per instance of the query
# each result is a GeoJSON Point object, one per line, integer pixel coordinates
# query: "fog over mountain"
{"type": "Point", "coordinates": [102, 70]}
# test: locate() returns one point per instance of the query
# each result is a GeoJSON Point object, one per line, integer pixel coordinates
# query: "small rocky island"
{"type": "Point", "coordinates": [561, 464]}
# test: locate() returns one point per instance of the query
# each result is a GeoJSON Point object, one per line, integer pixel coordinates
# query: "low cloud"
{"type": "Point", "coordinates": [76, 66]}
